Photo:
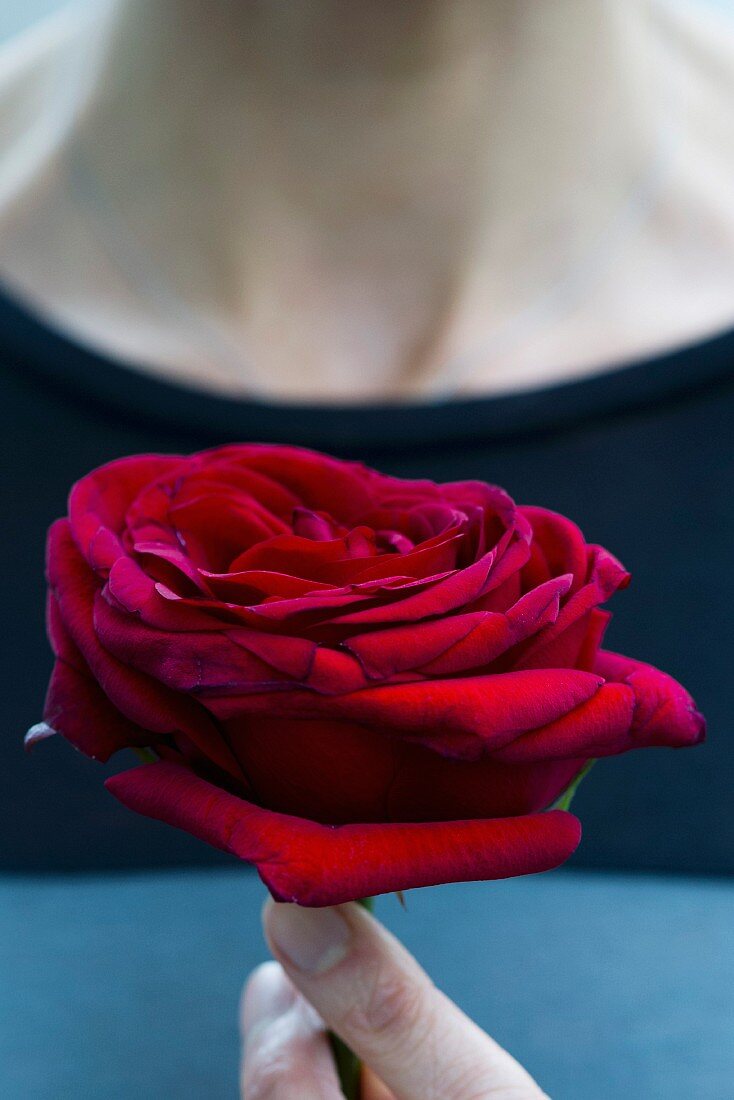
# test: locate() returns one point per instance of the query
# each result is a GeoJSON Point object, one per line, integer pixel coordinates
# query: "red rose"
{"type": "Point", "coordinates": [356, 682]}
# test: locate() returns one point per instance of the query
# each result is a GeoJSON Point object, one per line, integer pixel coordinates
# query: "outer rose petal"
{"type": "Point", "coordinates": [561, 645]}
{"type": "Point", "coordinates": [529, 614]}
{"type": "Point", "coordinates": [239, 660]}
{"type": "Point", "coordinates": [560, 542]}
{"type": "Point", "coordinates": [315, 865]}
{"type": "Point", "coordinates": [637, 707]}
{"type": "Point", "coordinates": [665, 713]}
{"type": "Point", "coordinates": [78, 709]}
{"type": "Point", "coordinates": [599, 727]}
{"type": "Point", "coordinates": [292, 767]}
{"type": "Point", "coordinates": [141, 699]}
{"type": "Point", "coordinates": [99, 501]}
{"type": "Point", "coordinates": [464, 718]}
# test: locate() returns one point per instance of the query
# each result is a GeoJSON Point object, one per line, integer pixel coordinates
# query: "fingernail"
{"type": "Point", "coordinates": [313, 940]}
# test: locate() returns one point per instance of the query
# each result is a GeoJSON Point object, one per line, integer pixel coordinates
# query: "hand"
{"type": "Point", "coordinates": [339, 968]}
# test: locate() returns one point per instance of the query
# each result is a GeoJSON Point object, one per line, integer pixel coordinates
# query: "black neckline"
{"type": "Point", "coordinates": [31, 342]}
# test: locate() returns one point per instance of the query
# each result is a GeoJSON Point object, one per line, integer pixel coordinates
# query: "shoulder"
{"type": "Point", "coordinates": [696, 78]}
{"type": "Point", "coordinates": [27, 62]}
{"type": "Point", "coordinates": [41, 88]}
{"type": "Point", "coordinates": [699, 36]}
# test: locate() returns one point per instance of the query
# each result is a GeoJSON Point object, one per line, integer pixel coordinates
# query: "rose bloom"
{"type": "Point", "coordinates": [356, 682]}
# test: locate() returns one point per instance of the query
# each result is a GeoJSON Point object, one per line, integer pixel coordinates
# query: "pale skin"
{"type": "Point", "coordinates": [373, 200]}
{"type": "Point", "coordinates": [377, 200]}
{"type": "Point", "coordinates": [340, 968]}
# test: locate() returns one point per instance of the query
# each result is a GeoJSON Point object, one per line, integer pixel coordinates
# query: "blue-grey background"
{"type": "Point", "coordinates": [125, 987]}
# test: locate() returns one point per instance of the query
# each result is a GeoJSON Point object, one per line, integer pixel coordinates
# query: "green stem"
{"type": "Point", "coordinates": [564, 800]}
{"type": "Point", "coordinates": [146, 755]}
{"type": "Point", "coordinates": [348, 1064]}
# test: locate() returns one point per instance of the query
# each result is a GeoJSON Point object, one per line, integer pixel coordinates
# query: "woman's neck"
{"type": "Point", "coordinates": [360, 193]}
{"type": "Point", "coordinates": [383, 176]}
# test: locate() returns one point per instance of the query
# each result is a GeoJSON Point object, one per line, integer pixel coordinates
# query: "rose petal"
{"type": "Point", "coordinates": [293, 768]}
{"type": "Point", "coordinates": [559, 646]}
{"type": "Point", "coordinates": [457, 643]}
{"type": "Point", "coordinates": [599, 727]}
{"type": "Point", "coordinates": [99, 501]}
{"type": "Point", "coordinates": [78, 709]}
{"type": "Point", "coordinates": [320, 482]}
{"type": "Point", "coordinates": [131, 589]}
{"type": "Point", "coordinates": [665, 713]}
{"type": "Point", "coordinates": [489, 640]}
{"type": "Point", "coordinates": [183, 663]}
{"type": "Point", "coordinates": [225, 661]}
{"type": "Point", "coordinates": [456, 590]}
{"type": "Point", "coordinates": [383, 653]}
{"type": "Point", "coordinates": [560, 542]}
{"type": "Point", "coordinates": [464, 718]}
{"type": "Point", "coordinates": [316, 865]}
{"type": "Point", "coordinates": [141, 700]}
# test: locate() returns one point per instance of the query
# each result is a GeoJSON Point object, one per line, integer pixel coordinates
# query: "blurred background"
{"type": "Point", "coordinates": [124, 942]}
{"type": "Point", "coordinates": [17, 14]}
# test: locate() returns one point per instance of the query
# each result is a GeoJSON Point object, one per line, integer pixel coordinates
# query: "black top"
{"type": "Point", "coordinates": [640, 457]}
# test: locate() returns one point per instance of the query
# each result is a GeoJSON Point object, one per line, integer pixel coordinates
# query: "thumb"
{"type": "Point", "coordinates": [376, 997]}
